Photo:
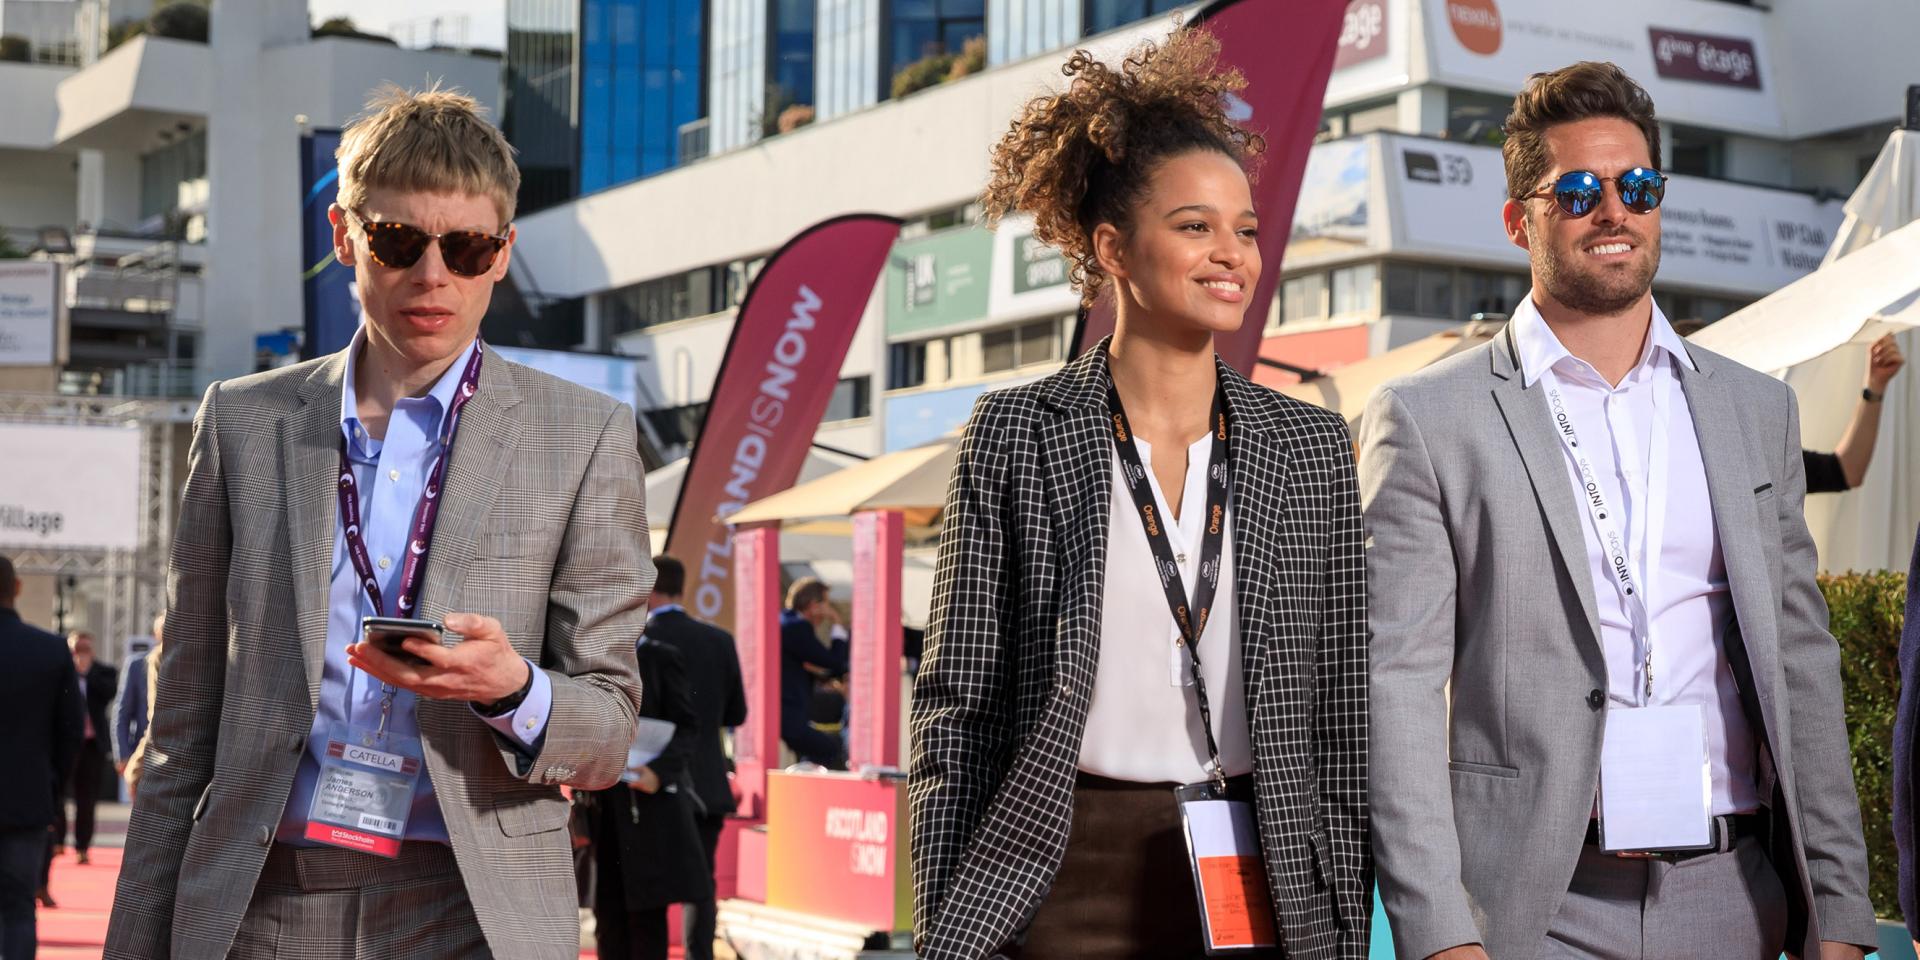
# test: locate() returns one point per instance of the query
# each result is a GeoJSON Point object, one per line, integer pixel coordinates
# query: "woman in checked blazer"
{"type": "Point", "coordinates": [1054, 713]}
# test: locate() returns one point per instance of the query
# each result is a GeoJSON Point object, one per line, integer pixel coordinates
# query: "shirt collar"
{"type": "Point", "coordinates": [441, 394]}
{"type": "Point", "coordinates": [1539, 349]}
{"type": "Point", "coordinates": [665, 608]}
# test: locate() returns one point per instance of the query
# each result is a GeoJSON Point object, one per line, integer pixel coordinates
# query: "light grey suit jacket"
{"type": "Point", "coordinates": [1477, 572]}
{"type": "Point", "coordinates": [543, 526]}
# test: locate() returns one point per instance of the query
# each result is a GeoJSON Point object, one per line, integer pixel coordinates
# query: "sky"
{"type": "Point", "coordinates": [486, 19]}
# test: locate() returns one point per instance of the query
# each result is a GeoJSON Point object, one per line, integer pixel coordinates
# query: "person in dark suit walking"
{"type": "Point", "coordinates": [135, 706]}
{"type": "Point", "coordinates": [40, 710]}
{"type": "Point", "coordinates": [1906, 724]}
{"type": "Point", "coordinates": [719, 700]}
{"type": "Point", "coordinates": [646, 848]}
{"type": "Point", "coordinates": [98, 684]}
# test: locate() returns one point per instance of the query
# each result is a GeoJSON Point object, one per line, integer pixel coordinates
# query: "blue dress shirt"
{"type": "Point", "coordinates": [390, 475]}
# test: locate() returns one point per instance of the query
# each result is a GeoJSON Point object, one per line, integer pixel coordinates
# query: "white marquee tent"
{"type": "Point", "coordinates": [1813, 334]}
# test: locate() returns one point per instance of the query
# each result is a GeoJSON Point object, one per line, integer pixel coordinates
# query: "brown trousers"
{"type": "Point", "coordinates": [1125, 888]}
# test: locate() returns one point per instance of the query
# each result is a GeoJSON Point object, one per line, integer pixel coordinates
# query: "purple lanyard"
{"type": "Point", "coordinates": [424, 515]}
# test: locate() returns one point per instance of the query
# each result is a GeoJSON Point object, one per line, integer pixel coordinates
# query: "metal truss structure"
{"type": "Point", "coordinates": [136, 579]}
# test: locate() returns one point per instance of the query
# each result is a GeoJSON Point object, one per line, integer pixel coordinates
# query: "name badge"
{"type": "Point", "coordinates": [1229, 870]}
{"type": "Point", "coordinates": [1656, 785]}
{"type": "Point", "coordinates": [365, 792]}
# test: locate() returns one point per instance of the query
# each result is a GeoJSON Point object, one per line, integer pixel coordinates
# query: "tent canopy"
{"type": "Point", "coordinates": [913, 481]}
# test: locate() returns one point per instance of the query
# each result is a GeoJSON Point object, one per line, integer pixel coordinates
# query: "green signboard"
{"type": "Point", "coordinates": [938, 281]}
{"type": "Point", "coordinates": [1036, 266]}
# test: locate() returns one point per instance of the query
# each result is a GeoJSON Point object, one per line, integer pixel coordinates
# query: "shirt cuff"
{"type": "Point", "coordinates": [526, 726]}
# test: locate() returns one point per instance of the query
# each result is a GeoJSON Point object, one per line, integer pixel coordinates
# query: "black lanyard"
{"type": "Point", "coordinates": [1194, 625]}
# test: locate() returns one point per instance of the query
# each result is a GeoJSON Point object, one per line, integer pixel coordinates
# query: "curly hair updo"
{"type": "Point", "coordinates": [1077, 159]}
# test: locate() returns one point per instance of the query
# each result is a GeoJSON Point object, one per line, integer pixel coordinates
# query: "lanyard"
{"type": "Point", "coordinates": [1191, 627]}
{"type": "Point", "coordinates": [1631, 569]}
{"type": "Point", "coordinates": [425, 514]}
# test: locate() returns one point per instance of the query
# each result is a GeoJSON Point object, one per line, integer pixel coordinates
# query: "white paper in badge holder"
{"type": "Point", "coordinates": [1656, 786]}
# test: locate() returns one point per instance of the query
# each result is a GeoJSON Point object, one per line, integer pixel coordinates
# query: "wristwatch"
{"type": "Point", "coordinates": [508, 703]}
{"type": "Point", "coordinates": [1867, 394]}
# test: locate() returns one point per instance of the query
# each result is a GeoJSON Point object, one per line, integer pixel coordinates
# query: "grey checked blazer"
{"type": "Point", "coordinates": [1479, 576]}
{"type": "Point", "coordinates": [543, 526]}
{"type": "Point", "coordinates": [1001, 700]}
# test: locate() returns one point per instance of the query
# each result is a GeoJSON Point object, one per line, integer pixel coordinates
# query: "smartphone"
{"type": "Point", "coordinates": [387, 633]}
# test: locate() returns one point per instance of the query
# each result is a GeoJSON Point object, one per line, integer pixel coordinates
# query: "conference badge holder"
{"type": "Point", "coordinates": [1656, 782]}
{"type": "Point", "coordinates": [1229, 870]}
{"type": "Point", "coordinates": [365, 791]}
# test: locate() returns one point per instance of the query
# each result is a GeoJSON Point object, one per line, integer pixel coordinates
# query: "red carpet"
{"type": "Point", "coordinates": [77, 928]}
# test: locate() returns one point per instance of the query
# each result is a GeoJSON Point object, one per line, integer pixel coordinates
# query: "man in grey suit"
{"type": "Point", "coordinates": [311, 792]}
{"type": "Point", "coordinates": [1591, 530]}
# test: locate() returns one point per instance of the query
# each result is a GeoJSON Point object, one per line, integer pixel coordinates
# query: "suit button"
{"type": "Point", "coordinates": [266, 836]}
{"type": "Point", "coordinates": [1597, 699]}
{"type": "Point", "coordinates": [296, 742]}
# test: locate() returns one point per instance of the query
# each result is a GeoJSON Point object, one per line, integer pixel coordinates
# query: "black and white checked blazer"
{"type": "Point", "coordinates": [1001, 701]}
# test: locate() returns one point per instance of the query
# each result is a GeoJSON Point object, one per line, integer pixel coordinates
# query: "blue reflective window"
{"type": "Point", "coordinates": [1104, 15]}
{"type": "Point", "coordinates": [924, 28]}
{"type": "Point", "coordinates": [642, 78]}
{"type": "Point", "coordinates": [792, 67]}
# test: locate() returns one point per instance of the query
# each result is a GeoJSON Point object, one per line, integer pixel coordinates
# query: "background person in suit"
{"type": "Point", "coordinates": [134, 709]}
{"type": "Point", "coordinates": [719, 702]}
{"type": "Point", "coordinates": [415, 473]}
{"type": "Point", "coordinates": [98, 683]}
{"type": "Point", "coordinates": [804, 663]}
{"type": "Point", "coordinates": [1491, 482]}
{"type": "Point", "coordinates": [1906, 724]}
{"type": "Point", "coordinates": [1056, 709]}
{"type": "Point", "coordinates": [40, 710]}
{"type": "Point", "coordinates": [647, 850]}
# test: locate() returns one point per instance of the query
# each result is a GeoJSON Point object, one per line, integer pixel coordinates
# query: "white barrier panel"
{"type": "Point", "coordinates": [70, 486]}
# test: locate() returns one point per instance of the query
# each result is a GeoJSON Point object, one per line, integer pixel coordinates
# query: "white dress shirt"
{"type": "Point", "coordinates": [1685, 589]}
{"type": "Point", "coordinates": [1141, 726]}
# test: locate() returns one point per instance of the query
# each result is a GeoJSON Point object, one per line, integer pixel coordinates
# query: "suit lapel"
{"type": "Point", "coordinates": [489, 430]}
{"type": "Point", "coordinates": [1721, 434]}
{"type": "Point", "coordinates": [1077, 447]}
{"type": "Point", "coordinates": [310, 442]}
{"type": "Point", "coordinates": [1531, 426]}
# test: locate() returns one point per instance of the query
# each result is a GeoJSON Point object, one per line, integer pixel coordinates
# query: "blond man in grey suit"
{"type": "Point", "coordinates": [312, 795]}
{"type": "Point", "coordinates": [1591, 531]}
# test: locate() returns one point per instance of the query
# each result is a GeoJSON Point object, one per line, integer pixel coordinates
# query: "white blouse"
{"type": "Point", "coordinates": [1143, 725]}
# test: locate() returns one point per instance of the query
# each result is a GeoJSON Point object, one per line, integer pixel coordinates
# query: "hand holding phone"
{"type": "Point", "coordinates": [389, 633]}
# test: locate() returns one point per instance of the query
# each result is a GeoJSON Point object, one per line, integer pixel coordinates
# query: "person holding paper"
{"type": "Point", "coordinates": [647, 850]}
{"type": "Point", "coordinates": [1589, 569]}
{"type": "Point", "coordinates": [1139, 728]}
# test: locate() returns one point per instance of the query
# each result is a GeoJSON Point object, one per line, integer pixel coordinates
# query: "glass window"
{"type": "Point", "coordinates": [1417, 289]}
{"type": "Point", "coordinates": [1476, 117]}
{"type": "Point", "coordinates": [1490, 293]}
{"type": "Point", "coordinates": [1104, 15]}
{"type": "Point", "coordinates": [792, 68]}
{"type": "Point", "coordinates": [643, 76]}
{"type": "Point", "coordinates": [1700, 153]}
{"type": "Point", "coordinates": [997, 351]}
{"type": "Point", "coordinates": [1039, 342]}
{"type": "Point", "coordinates": [923, 28]}
{"type": "Point", "coordinates": [1367, 119]}
{"type": "Point", "coordinates": [540, 98]}
{"type": "Point", "coordinates": [1356, 290]}
{"type": "Point", "coordinates": [906, 365]}
{"type": "Point", "coordinates": [1304, 298]}
{"type": "Point", "coordinates": [851, 400]}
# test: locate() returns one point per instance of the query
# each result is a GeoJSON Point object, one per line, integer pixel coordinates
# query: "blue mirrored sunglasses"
{"type": "Point", "coordinates": [1578, 192]}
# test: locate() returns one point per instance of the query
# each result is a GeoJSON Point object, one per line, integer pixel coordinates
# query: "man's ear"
{"type": "Point", "coordinates": [1513, 216]}
{"type": "Point", "coordinates": [342, 235]}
